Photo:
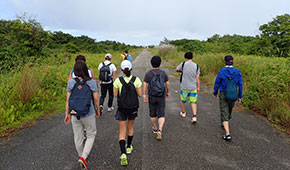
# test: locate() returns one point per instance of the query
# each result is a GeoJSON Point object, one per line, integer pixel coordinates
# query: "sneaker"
{"type": "Point", "coordinates": [182, 114]}
{"type": "Point", "coordinates": [129, 150]}
{"type": "Point", "coordinates": [110, 109]}
{"type": "Point", "coordinates": [101, 109]}
{"type": "Point", "coordinates": [155, 130]}
{"type": "Point", "coordinates": [194, 119]}
{"type": "Point", "coordinates": [123, 158]}
{"type": "Point", "coordinates": [83, 163]}
{"type": "Point", "coordinates": [159, 135]}
{"type": "Point", "coordinates": [227, 137]}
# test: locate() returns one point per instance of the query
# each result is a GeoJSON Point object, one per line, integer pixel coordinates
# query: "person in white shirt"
{"type": "Point", "coordinates": [107, 75]}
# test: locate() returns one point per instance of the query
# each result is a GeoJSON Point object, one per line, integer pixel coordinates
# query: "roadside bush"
{"type": "Point", "coordinates": [165, 49]}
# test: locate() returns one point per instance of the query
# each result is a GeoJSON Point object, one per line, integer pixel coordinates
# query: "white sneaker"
{"type": "Point", "coordinates": [110, 109]}
{"type": "Point", "coordinates": [194, 119]}
{"type": "Point", "coordinates": [182, 114]}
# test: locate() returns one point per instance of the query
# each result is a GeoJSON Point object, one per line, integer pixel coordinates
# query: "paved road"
{"type": "Point", "coordinates": [256, 145]}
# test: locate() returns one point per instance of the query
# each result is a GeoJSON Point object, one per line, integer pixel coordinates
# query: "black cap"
{"type": "Point", "coordinates": [229, 60]}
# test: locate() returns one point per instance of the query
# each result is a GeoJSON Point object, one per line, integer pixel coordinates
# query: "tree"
{"type": "Point", "coordinates": [276, 35]}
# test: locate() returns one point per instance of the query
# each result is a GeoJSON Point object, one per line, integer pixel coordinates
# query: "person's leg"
{"type": "Point", "coordinates": [152, 112]}
{"type": "Point", "coordinates": [224, 110]}
{"type": "Point", "coordinates": [130, 132]}
{"type": "Point", "coordinates": [161, 112]}
{"type": "Point", "coordinates": [111, 97]}
{"type": "Point", "coordinates": [78, 135]}
{"type": "Point", "coordinates": [183, 98]}
{"type": "Point", "coordinates": [122, 135]}
{"type": "Point", "coordinates": [194, 108]}
{"type": "Point", "coordinates": [91, 131]}
{"type": "Point", "coordinates": [103, 94]}
{"type": "Point", "coordinates": [192, 100]}
{"type": "Point", "coordinates": [161, 122]}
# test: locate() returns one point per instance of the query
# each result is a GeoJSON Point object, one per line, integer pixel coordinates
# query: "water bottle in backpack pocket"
{"type": "Point", "coordinates": [80, 99]}
{"type": "Point", "coordinates": [231, 93]}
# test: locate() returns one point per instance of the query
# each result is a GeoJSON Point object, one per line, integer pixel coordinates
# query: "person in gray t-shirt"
{"type": "Point", "coordinates": [189, 84]}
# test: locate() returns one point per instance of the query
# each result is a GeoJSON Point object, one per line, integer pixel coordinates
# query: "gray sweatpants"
{"type": "Point", "coordinates": [83, 146]}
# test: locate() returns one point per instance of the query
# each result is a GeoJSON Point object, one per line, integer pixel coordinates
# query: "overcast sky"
{"type": "Point", "coordinates": [146, 22]}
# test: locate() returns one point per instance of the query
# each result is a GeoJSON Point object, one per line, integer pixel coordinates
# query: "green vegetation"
{"type": "Point", "coordinates": [274, 41]}
{"type": "Point", "coordinates": [35, 65]}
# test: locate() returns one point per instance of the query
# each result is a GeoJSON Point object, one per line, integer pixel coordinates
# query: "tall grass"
{"type": "Point", "coordinates": [266, 81]}
{"type": "Point", "coordinates": [38, 90]}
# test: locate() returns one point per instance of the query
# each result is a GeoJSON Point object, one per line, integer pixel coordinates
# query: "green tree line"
{"type": "Point", "coordinates": [273, 41]}
{"type": "Point", "coordinates": [24, 40]}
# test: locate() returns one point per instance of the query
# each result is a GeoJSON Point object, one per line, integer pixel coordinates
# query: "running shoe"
{"type": "Point", "coordinates": [129, 150]}
{"type": "Point", "coordinates": [101, 109]}
{"type": "Point", "coordinates": [194, 119]}
{"type": "Point", "coordinates": [182, 114]}
{"type": "Point", "coordinates": [159, 135]}
{"type": "Point", "coordinates": [227, 137]}
{"type": "Point", "coordinates": [123, 158]}
{"type": "Point", "coordinates": [110, 109]}
{"type": "Point", "coordinates": [155, 130]}
{"type": "Point", "coordinates": [83, 163]}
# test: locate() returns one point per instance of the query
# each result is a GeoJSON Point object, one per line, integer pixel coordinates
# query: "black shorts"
{"type": "Point", "coordinates": [157, 106]}
{"type": "Point", "coordinates": [124, 115]}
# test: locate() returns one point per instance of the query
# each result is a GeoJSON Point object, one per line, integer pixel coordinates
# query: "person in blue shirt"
{"type": "Point", "coordinates": [126, 56]}
{"type": "Point", "coordinates": [226, 107]}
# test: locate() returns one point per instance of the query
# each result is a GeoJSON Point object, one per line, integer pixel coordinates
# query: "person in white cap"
{"type": "Point", "coordinates": [127, 89]}
{"type": "Point", "coordinates": [107, 74]}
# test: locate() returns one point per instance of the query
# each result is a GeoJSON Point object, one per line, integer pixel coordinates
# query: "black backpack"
{"type": "Point", "coordinates": [128, 100]}
{"type": "Point", "coordinates": [80, 99]}
{"type": "Point", "coordinates": [156, 85]}
{"type": "Point", "coordinates": [105, 73]}
{"type": "Point", "coordinates": [182, 70]}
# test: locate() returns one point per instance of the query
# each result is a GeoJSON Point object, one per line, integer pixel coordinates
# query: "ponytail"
{"type": "Point", "coordinates": [127, 72]}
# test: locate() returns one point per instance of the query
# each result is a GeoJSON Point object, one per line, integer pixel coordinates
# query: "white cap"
{"type": "Point", "coordinates": [126, 64]}
{"type": "Point", "coordinates": [108, 56]}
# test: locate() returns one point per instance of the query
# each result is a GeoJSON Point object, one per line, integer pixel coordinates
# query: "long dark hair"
{"type": "Point", "coordinates": [81, 70]}
{"type": "Point", "coordinates": [127, 72]}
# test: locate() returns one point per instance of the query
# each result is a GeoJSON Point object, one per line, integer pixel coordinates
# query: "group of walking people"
{"type": "Point", "coordinates": [83, 104]}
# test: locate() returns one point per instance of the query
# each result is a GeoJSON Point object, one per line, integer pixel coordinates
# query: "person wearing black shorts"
{"type": "Point", "coordinates": [125, 113]}
{"type": "Point", "coordinates": [156, 101]}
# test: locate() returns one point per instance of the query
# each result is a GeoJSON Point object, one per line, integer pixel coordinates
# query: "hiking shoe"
{"type": "Point", "coordinates": [101, 109]}
{"type": "Point", "coordinates": [83, 163]}
{"type": "Point", "coordinates": [110, 109]}
{"type": "Point", "coordinates": [123, 158]}
{"type": "Point", "coordinates": [194, 119]}
{"type": "Point", "coordinates": [155, 130]}
{"type": "Point", "coordinates": [159, 135]}
{"type": "Point", "coordinates": [227, 137]}
{"type": "Point", "coordinates": [129, 150]}
{"type": "Point", "coordinates": [182, 114]}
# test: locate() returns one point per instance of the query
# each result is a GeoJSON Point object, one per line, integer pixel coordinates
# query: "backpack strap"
{"type": "Point", "coordinates": [197, 68]}
{"type": "Point", "coordinates": [133, 79]}
{"type": "Point", "coordinates": [122, 80]}
{"type": "Point", "coordinates": [182, 71]}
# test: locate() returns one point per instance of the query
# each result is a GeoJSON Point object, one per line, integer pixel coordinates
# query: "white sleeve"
{"type": "Point", "coordinates": [113, 67]}
{"type": "Point", "coordinates": [100, 66]}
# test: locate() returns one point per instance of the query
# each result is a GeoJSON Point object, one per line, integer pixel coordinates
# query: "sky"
{"type": "Point", "coordinates": [147, 22]}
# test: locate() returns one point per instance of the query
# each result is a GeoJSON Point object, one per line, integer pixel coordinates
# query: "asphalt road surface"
{"type": "Point", "coordinates": [48, 145]}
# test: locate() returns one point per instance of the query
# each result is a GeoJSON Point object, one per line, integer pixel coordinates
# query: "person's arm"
{"type": "Point", "coordinates": [116, 91]}
{"type": "Point", "coordinates": [217, 85]}
{"type": "Point", "coordinates": [179, 68]}
{"type": "Point", "coordinates": [139, 91]}
{"type": "Point", "coordinates": [240, 89]}
{"type": "Point", "coordinates": [67, 116]}
{"type": "Point", "coordinates": [96, 101]}
{"type": "Point", "coordinates": [93, 75]}
{"type": "Point", "coordinates": [167, 84]}
{"type": "Point", "coordinates": [70, 77]}
{"type": "Point", "coordinates": [198, 83]}
{"type": "Point", "coordinates": [114, 75]}
{"type": "Point", "coordinates": [144, 92]}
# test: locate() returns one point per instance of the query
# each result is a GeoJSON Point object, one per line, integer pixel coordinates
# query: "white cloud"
{"type": "Point", "coordinates": [148, 21]}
